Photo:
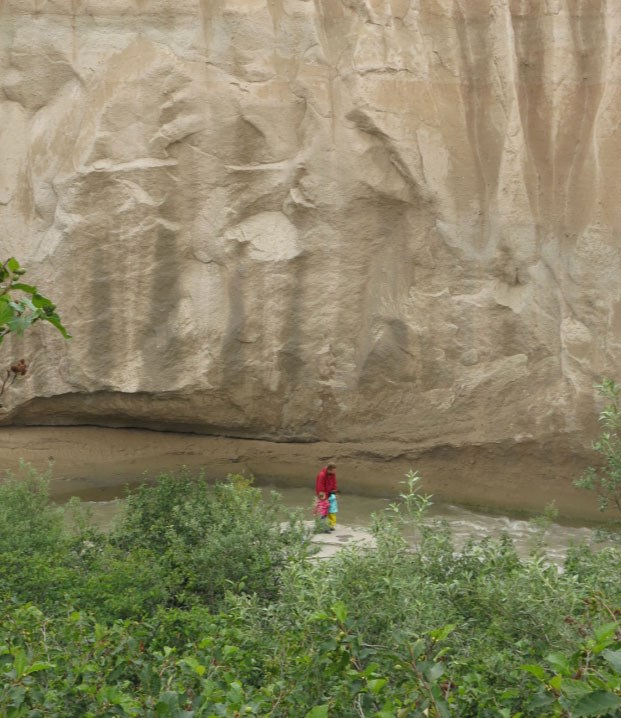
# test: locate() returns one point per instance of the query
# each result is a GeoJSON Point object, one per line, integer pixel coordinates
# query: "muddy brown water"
{"type": "Point", "coordinates": [97, 464]}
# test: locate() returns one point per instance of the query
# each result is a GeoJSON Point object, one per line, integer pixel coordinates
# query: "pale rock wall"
{"type": "Point", "coordinates": [338, 220]}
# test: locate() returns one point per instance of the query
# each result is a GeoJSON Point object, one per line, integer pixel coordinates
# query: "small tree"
{"type": "Point", "coordinates": [21, 306]}
{"type": "Point", "coordinates": [605, 481]}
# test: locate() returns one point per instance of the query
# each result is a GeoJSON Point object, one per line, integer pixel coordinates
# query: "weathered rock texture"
{"type": "Point", "coordinates": [338, 220]}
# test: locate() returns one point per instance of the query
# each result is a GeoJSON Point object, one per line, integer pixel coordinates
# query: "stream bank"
{"type": "Point", "coordinates": [96, 463]}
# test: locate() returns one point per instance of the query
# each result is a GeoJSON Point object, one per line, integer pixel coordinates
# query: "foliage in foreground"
{"type": "Point", "coordinates": [201, 603]}
{"type": "Point", "coordinates": [605, 480]}
{"type": "Point", "coordinates": [21, 306]}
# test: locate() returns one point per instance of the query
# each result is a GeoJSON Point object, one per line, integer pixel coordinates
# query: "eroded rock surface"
{"type": "Point", "coordinates": [336, 220]}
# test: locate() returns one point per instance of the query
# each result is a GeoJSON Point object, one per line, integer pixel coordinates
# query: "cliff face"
{"type": "Point", "coordinates": [346, 220]}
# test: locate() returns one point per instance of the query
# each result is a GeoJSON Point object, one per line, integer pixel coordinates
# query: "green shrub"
{"type": "Point", "coordinates": [605, 479]}
{"type": "Point", "coordinates": [29, 522]}
{"type": "Point", "coordinates": [34, 546]}
{"type": "Point", "coordinates": [201, 602]}
{"type": "Point", "coordinates": [211, 539]}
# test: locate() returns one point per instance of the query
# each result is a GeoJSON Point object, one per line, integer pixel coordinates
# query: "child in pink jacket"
{"type": "Point", "coordinates": [322, 506]}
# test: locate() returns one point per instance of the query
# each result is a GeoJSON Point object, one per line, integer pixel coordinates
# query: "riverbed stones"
{"type": "Point", "coordinates": [366, 221]}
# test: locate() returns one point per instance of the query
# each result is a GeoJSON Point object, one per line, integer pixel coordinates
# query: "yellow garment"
{"type": "Point", "coordinates": [332, 520]}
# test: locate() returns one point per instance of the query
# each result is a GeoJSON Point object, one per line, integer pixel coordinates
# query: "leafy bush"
{"type": "Point", "coordinates": [29, 522]}
{"type": "Point", "coordinates": [34, 546]}
{"type": "Point", "coordinates": [605, 480]}
{"type": "Point", "coordinates": [201, 602]}
{"type": "Point", "coordinates": [210, 540]}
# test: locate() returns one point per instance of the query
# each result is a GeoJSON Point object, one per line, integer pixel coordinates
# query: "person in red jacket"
{"type": "Point", "coordinates": [326, 481]}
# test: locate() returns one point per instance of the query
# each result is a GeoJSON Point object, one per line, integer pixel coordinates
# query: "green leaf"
{"type": "Point", "coordinates": [439, 634]}
{"type": "Point", "coordinates": [6, 313]}
{"type": "Point", "coordinates": [541, 700]}
{"type": "Point", "coordinates": [197, 667]}
{"type": "Point", "coordinates": [536, 670]}
{"type": "Point", "coordinates": [559, 662]}
{"type": "Point", "coordinates": [418, 648]}
{"type": "Point", "coordinates": [320, 616]}
{"type": "Point", "coordinates": [22, 304]}
{"type": "Point", "coordinates": [443, 708]}
{"type": "Point", "coordinates": [606, 632]}
{"type": "Point", "coordinates": [28, 288]}
{"type": "Point", "coordinates": [434, 672]}
{"type": "Point", "coordinates": [12, 264]}
{"type": "Point", "coordinates": [168, 704]}
{"type": "Point", "coordinates": [318, 712]}
{"type": "Point", "coordinates": [556, 682]}
{"type": "Point", "coordinates": [19, 662]}
{"type": "Point", "coordinates": [18, 325]}
{"type": "Point", "coordinates": [574, 689]}
{"type": "Point", "coordinates": [54, 320]}
{"type": "Point", "coordinates": [38, 666]}
{"type": "Point", "coordinates": [375, 685]}
{"type": "Point", "coordinates": [340, 611]}
{"type": "Point", "coordinates": [614, 659]}
{"type": "Point", "coordinates": [42, 302]}
{"type": "Point", "coordinates": [595, 704]}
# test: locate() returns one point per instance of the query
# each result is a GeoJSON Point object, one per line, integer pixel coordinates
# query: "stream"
{"type": "Point", "coordinates": [356, 512]}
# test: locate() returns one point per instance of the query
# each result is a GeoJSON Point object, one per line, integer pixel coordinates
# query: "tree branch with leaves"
{"type": "Point", "coordinates": [605, 480]}
{"type": "Point", "coordinates": [21, 306]}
